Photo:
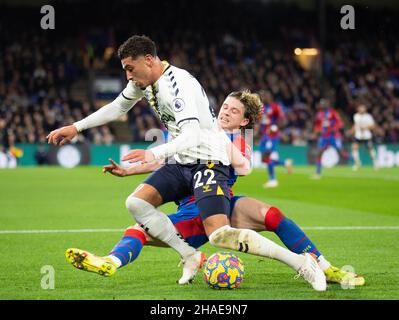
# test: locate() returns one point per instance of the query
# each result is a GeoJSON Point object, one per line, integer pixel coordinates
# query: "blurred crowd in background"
{"type": "Point", "coordinates": [226, 47]}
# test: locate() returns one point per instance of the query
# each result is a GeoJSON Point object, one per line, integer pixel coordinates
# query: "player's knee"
{"type": "Point", "coordinates": [130, 203]}
{"type": "Point", "coordinates": [138, 232]}
{"type": "Point", "coordinates": [228, 237]}
{"type": "Point", "coordinates": [136, 206]}
{"type": "Point", "coordinates": [222, 236]}
{"type": "Point", "coordinates": [135, 227]}
{"type": "Point", "coordinates": [237, 239]}
{"type": "Point", "coordinates": [273, 218]}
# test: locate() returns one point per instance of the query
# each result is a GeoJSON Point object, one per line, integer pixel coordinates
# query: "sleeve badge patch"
{"type": "Point", "coordinates": [178, 105]}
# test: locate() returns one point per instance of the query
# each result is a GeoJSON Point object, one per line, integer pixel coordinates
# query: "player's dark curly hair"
{"type": "Point", "coordinates": [252, 103]}
{"type": "Point", "coordinates": [137, 46]}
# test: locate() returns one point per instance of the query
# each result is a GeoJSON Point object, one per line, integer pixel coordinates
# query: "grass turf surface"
{"type": "Point", "coordinates": [83, 198]}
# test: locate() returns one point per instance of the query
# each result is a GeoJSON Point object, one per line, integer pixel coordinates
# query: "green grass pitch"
{"type": "Point", "coordinates": [84, 198]}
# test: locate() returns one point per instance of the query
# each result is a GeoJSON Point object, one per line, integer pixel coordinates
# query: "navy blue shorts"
{"type": "Point", "coordinates": [207, 182]}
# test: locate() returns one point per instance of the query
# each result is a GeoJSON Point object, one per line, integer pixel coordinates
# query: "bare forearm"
{"type": "Point", "coordinates": [144, 168]}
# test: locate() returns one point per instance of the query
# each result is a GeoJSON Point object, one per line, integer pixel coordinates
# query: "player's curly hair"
{"type": "Point", "coordinates": [252, 103]}
{"type": "Point", "coordinates": [137, 46]}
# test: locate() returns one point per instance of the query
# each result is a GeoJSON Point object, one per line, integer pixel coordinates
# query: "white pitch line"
{"type": "Point", "coordinates": [338, 228]}
{"type": "Point", "coordinates": [59, 231]}
{"type": "Point", "coordinates": [353, 228]}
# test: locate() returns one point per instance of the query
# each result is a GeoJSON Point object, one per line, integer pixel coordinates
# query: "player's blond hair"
{"type": "Point", "coordinates": [252, 104]}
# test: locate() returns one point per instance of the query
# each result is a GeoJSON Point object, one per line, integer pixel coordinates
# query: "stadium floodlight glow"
{"type": "Point", "coordinates": [306, 51]}
{"type": "Point", "coordinates": [298, 51]}
{"type": "Point", "coordinates": [108, 52]}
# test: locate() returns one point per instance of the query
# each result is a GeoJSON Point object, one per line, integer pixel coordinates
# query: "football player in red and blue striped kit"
{"type": "Point", "coordinates": [327, 126]}
{"type": "Point", "coordinates": [272, 117]}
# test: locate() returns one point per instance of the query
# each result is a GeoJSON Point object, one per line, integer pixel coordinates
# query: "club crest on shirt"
{"type": "Point", "coordinates": [178, 104]}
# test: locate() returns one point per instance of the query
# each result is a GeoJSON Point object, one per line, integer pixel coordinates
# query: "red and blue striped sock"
{"type": "Point", "coordinates": [129, 247]}
{"type": "Point", "coordinates": [289, 233]}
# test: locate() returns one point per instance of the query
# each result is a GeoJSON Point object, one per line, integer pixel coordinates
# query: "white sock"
{"type": "Point", "coordinates": [293, 260]}
{"type": "Point", "coordinates": [158, 225]}
{"type": "Point", "coordinates": [115, 260]}
{"type": "Point", "coordinates": [251, 242]}
{"type": "Point", "coordinates": [323, 263]}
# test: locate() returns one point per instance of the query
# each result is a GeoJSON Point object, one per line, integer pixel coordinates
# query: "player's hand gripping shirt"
{"type": "Point", "coordinates": [179, 100]}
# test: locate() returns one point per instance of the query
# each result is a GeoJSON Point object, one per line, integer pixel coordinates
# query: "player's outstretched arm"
{"type": "Point", "coordinates": [110, 112]}
{"type": "Point", "coordinates": [118, 171]}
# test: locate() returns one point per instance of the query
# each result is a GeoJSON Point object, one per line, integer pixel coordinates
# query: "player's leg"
{"type": "Point", "coordinates": [142, 204]}
{"type": "Point", "coordinates": [160, 187]}
{"type": "Point", "coordinates": [337, 144]}
{"type": "Point", "coordinates": [270, 164]}
{"type": "Point", "coordinates": [274, 152]}
{"type": "Point", "coordinates": [321, 147]}
{"type": "Point", "coordinates": [355, 155]}
{"type": "Point", "coordinates": [265, 147]}
{"type": "Point", "coordinates": [186, 221]}
{"type": "Point", "coordinates": [372, 153]}
{"type": "Point", "coordinates": [124, 252]}
{"type": "Point", "coordinates": [254, 214]}
{"type": "Point", "coordinates": [275, 156]}
{"type": "Point", "coordinates": [213, 203]}
{"type": "Point", "coordinates": [222, 235]}
{"type": "Point", "coordinates": [129, 247]}
{"type": "Point", "coordinates": [318, 164]}
{"type": "Point", "coordinates": [214, 212]}
{"type": "Point", "coordinates": [164, 185]}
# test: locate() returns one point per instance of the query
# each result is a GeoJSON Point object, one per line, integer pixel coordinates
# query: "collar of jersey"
{"type": "Point", "coordinates": [166, 66]}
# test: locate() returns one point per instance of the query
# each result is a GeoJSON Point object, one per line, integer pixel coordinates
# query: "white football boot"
{"type": "Point", "coordinates": [191, 266]}
{"type": "Point", "coordinates": [312, 273]}
{"type": "Point", "coordinates": [270, 184]}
